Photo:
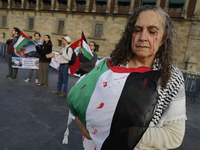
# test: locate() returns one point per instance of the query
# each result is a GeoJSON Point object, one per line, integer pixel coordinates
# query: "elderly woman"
{"type": "Point", "coordinates": [136, 98]}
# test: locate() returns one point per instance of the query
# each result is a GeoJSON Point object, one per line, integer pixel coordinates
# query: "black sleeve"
{"type": "Point", "coordinates": [91, 62]}
{"type": "Point", "coordinates": [38, 48]}
{"type": "Point", "coordinates": [8, 41]}
{"type": "Point", "coordinates": [47, 49]}
{"type": "Point", "coordinates": [82, 58]}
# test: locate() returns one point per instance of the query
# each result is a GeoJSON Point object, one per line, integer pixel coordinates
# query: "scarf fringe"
{"type": "Point", "coordinates": [70, 119]}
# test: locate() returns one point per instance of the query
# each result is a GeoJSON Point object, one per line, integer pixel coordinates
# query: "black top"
{"type": "Point", "coordinates": [43, 50]}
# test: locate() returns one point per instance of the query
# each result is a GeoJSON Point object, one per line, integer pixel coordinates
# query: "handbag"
{"type": "Point", "coordinates": [50, 55]}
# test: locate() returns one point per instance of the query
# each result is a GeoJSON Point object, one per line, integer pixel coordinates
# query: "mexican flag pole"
{"type": "Point", "coordinates": [22, 40]}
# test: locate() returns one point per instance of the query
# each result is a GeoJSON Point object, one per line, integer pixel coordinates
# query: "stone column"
{"type": "Point", "coordinates": [87, 5]}
{"type": "Point", "coordinates": [167, 5]}
{"type": "Point", "coordinates": [185, 7]}
{"type": "Point", "coordinates": [116, 7]}
{"type": "Point", "coordinates": [37, 5]}
{"type": "Point", "coordinates": [158, 2]}
{"type": "Point", "coordinates": [69, 5]}
{"type": "Point", "coordinates": [131, 6]}
{"type": "Point", "coordinates": [108, 6]}
{"type": "Point", "coordinates": [22, 3]}
{"type": "Point", "coordinates": [94, 8]}
{"type": "Point", "coordinates": [52, 4]}
{"type": "Point", "coordinates": [57, 5]}
{"type": "Point", "coordinates": [8, 4]}
{"type": "Point", "coordinates": [1, 3]}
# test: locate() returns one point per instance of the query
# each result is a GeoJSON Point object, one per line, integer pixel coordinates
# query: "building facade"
{"type": "Point", "coordinates": [102, 21]}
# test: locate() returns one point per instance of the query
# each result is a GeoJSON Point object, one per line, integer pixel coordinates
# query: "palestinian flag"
{"type": "Point", "coordinates": [115, 104]}
{"type": "Point", "coordinates": [82, 45]}
{"type": "Point", "coordinates": [22, 40]}
{"type": "Point", "coordinates": [85, 47]}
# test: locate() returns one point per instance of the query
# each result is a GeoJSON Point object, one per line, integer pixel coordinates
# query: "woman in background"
{"type": "Point", "coordinates": [44, 62]}
{"type": "Point", "coordinates": [86, 64]}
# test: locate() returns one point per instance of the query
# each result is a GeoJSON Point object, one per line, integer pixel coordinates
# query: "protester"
{"type": "Point", "coordinates": [86, 64]}
{"type": "Point", "coordinates": [136, 98]}
{"type": "Point", "coordinates": [64, 57]}
{"type": "Point", "coordinates": [12, 72]}
{"type": "Point", "coordinates": [44, 62]}
{"type": "Point", "coordinates": [37, 40]}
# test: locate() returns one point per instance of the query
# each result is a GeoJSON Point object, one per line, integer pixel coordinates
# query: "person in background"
{"type": "Point", "coordinates": [37, 36]}
{"type": "Point", "coordinates": [44, 62]}
{"type": "Point", "coordinates": [86, 64]}
{"type": "Point", "coordinates": [12, 72]}
{"type": "Point", "coordinates": [63, 66]}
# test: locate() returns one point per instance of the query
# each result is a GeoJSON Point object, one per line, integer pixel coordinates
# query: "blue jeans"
{"type": "Point", "coordinates": [63, 78]}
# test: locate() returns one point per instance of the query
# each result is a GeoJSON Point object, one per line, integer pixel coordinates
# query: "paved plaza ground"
{"type": "Point", "coordinates": [31, 118]}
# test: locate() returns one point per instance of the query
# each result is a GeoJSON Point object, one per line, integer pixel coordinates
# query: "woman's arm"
{"type": "Point", "coordinates": [169, 133]}
{"type": "Point", "coordinates": [169, 136]}
{"type": "Point", "coordinates": [82, 129]}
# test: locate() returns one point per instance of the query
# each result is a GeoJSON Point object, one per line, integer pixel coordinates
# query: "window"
{"type": "Point", "coordinates": [101, 7]}
{"type": "Point", "coordinates": [3, 21]}
{"type": "Point", "coordinates": [98, 30]}
{"type": "Point", "coordinates": [175, 10]}
{"type": "Point", "coordinates": [31, 23]}
{"type": "Point", "coordinates": [60, 26]}
{"type": "Point", "coordinates": [81, 5]}
{"type": "Point", "coordinates": [149, 2]}
{"type": "Point", "coordinates": [4, 35]}
{"type": "Point", "coordinates": [175, 7]}
{"type": "Point", "coordinates": [59, 42]}
{"type": "Point", "coordinates": [123, 7]}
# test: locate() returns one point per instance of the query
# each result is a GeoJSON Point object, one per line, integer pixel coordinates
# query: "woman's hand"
{"type": "Point", "coordinates": [82, 129]}
{"type": "Point", "coordinates": [35, 44]}
{"type": "Point", "coordinates": [60, 53]}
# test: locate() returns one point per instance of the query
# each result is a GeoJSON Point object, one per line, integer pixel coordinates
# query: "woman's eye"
{"type": "Point", "coordinates": [137, 30]}
{"type": "Point", "coordinates": [152, 32]}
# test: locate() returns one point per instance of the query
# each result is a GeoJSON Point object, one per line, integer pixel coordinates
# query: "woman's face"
{"type": "Point", "coordinates": [148, 34]}
{"type": "Point", "coordinates": [92, 46]}
{"type": "Point", "coordinates": [46, 39]}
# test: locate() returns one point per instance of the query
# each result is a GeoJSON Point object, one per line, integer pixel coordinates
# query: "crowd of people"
{"type": "Point", "coordinates": [42, 49]}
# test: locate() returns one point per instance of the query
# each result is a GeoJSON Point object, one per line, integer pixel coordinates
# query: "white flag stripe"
{"type": "Point", "coordinates": [20, 39]}
{"type": "Point", "coordinates": [100, 130]}
{"type": "Point", "coordinates": [86, 46]}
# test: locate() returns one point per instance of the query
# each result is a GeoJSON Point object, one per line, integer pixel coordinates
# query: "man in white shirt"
{"type": "Point", "coordinates": [63, 66]}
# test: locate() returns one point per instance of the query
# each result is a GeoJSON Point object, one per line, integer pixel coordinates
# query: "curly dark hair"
{"type": "Point", "coordinates": [123, 52]}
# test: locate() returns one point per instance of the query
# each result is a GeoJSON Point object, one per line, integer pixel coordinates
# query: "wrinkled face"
{"type": "Point", "coordinates": [92, 46]}
{"type": "Point", "coordinates": [37, 37]}
{"type": "Point", "coordinates": [46, 39]}
{"type": "Point", "coordinates": [148, 34]}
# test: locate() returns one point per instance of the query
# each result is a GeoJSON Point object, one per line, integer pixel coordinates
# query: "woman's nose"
{"type": "Point", "coordinates": [143, 36]}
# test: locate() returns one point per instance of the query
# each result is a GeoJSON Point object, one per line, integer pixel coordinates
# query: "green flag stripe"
{"type": "Point", "coordinates": [85, 87]}
{"type": "Point", "coordinates": [22, 43]}
{"type": "Point", "coordinates": [86, 53]}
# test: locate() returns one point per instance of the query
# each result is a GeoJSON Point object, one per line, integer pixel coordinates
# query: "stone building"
{"type": "Point", "coordinates": [102, 21]}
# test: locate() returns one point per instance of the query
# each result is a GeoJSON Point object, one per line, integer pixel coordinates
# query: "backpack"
{"type": "Point", "coordinates": [73, 58]}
